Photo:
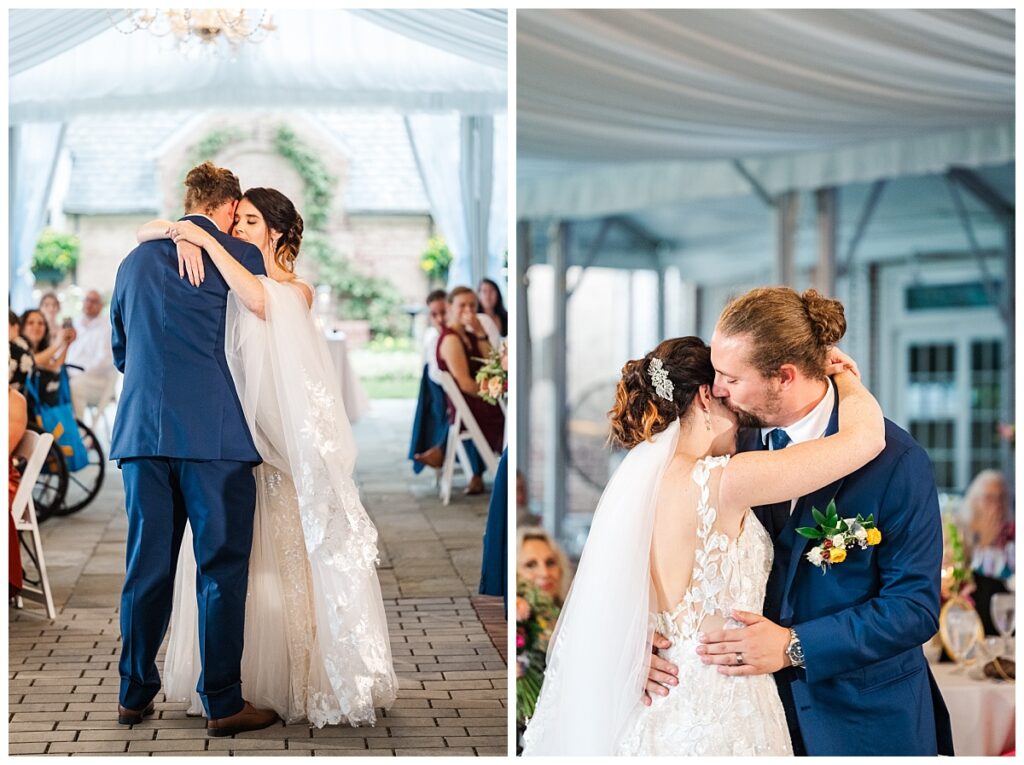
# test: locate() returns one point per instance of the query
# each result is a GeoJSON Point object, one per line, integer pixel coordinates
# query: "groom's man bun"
{"type": "Point", "coordinates": [207, 187]}
{"type": "Point", "coordinates": [785, 328]}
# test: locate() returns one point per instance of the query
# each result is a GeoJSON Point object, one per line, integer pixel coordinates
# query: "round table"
{"type": "Point", "coordinates": [356, 401]}
{"type": "Point", "coordinates": [980, 711]}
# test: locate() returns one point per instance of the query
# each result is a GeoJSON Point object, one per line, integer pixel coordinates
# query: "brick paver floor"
{"type": "Point", "coordinates": [453, 680]}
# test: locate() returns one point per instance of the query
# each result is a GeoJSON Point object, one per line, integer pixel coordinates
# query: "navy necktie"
{"type": "Point", "coordinates": [779, 438]}
{"type": "Point", "coordinates": [781, 510]}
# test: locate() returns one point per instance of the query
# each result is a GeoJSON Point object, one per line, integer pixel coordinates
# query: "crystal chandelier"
{"type": "Point", "coordinates": [200, 26]}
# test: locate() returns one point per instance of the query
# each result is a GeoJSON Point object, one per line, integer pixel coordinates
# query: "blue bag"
{"type": "Point", "coordinates": [59, 419]}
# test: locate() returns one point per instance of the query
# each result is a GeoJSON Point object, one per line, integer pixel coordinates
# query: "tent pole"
{"type": "Point", "coordinates": [524, 349]}
{"type": "Point", "coordinates": [787, 208]}
{"type": "Point", "coordinates": [826, 202]}
{"type": "Point", "coordinates": [555, 490]}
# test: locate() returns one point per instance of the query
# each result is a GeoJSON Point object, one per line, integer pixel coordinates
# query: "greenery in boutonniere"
{"type": "Point", "coordinates": [838, 535]}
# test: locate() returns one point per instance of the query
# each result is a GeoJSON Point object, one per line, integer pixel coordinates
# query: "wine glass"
{"type": "Point", "coordinates": [1002, 610]}
{"type": "Point", "coordinates": [962, 630]}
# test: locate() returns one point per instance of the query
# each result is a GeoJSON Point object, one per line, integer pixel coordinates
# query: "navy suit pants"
{"type": "Point", "coordinates": [218, 499]}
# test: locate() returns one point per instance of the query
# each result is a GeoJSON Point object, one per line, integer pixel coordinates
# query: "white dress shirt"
{"type": "Point", "coordinates": [92, 348]}
{"type": "Point", "coordinates": [812, 425]}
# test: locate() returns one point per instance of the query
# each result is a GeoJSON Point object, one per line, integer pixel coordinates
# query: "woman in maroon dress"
{"type": "Point", "coordinates": [463, 342]}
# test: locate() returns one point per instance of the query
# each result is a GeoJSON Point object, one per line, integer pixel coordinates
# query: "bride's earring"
{"type": "Point", "coordinates": [707, 420]}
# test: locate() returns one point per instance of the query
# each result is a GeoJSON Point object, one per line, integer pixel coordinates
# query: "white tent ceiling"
{"type": "Point", "coordinates": [318, 59]}
{"type": "Point", "coordinates": [443, 69]}
{"type": "Point", "coordinates": [623, 110]}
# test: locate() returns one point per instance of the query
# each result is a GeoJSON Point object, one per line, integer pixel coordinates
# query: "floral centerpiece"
{"type": "Point", "coordinates": [536, 614]}
{"type": "Point", "coordinates": [492, 377]}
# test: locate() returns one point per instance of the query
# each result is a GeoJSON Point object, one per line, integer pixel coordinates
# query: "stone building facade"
{"type": "Point", "coordinates": [120, 173]}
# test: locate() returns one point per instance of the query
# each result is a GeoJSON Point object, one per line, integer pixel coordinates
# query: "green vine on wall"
{"type": "Point", "coordinates": [317, 180]}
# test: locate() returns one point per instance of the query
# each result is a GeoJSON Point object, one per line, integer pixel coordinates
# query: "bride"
{"type": "Point", "coordinates": [316, 636]}
{"type": "Point", "coordinates": [673, 547]}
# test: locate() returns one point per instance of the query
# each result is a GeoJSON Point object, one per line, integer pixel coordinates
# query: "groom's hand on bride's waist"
{"type": "Point", "coordinates": [759, 648]}
{"type": "Point", "coordinates": [662, 674]}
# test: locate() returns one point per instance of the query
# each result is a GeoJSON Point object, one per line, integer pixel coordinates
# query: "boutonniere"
{"type": "Point", "coordinates": [838, 535]}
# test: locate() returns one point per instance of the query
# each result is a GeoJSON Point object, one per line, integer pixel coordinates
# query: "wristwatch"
{"type": "Point", "coordinates": [795, 651]}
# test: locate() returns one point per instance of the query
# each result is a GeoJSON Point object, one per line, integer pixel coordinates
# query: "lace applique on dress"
{"type": "Point", "coordinates": [709, 713]}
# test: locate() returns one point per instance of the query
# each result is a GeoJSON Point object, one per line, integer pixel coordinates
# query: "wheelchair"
{"type": "Point", "coordinates": [58, 490]}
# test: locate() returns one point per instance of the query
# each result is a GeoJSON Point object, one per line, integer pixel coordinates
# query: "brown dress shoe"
{"type": "Point", "coordinates": [432, 457]}
{"type": "Point", "coordinates": [249, 718]}
{"type": "Point", "coordinates": [126, 716]}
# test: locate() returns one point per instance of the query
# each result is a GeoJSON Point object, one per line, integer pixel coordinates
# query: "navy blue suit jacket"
{"type": "Point", "coordinates": [867, 688]}
{"type": "Point", "coordinates": [178, 398]}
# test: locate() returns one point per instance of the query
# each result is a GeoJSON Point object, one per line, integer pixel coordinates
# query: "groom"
{"type": "Point", "coordinates": [185, 454]}
{"type": "Point", "coordinates": [844, 645]}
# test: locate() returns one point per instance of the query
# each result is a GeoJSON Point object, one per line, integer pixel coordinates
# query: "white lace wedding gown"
{"type": "Point", "coordinates": [599, 654]}
{"type": "Point", "coordinates": [316, 636]}
{"type": "Point", "coordinates": [709, 713]}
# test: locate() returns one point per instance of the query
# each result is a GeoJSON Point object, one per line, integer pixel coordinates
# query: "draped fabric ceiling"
{"type": "Point", "coordinates": [625, 110]}
{"type": "Point", "coordinates": [70, 62]}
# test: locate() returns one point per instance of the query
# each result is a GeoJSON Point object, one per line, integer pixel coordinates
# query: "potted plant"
{"type": "Point", "coordinates": [436, 260]}
{"type": "Point", "coordinates": [55, 256]}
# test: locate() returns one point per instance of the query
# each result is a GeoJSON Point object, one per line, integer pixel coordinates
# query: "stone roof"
{"type": "Point", "coordinates": [115, 162]}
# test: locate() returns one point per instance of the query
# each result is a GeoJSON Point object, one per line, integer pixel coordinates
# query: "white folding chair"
{"type": "Point", "coordinates": [465, 428]}
{"type": "Point", "coordinates": [33, 447]}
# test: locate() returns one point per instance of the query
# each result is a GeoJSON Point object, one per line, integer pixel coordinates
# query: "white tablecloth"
{"type": "Point", "coordinates": [981, 712]}
{"type": "Point", "coordinates": [356, 401]}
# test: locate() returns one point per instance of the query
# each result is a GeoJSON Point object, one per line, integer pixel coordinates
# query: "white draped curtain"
{"type": "Point", "coordinates": [620, 110]}
{"type": "Point", "coordinates": [462, 166]}
{"type": "Point", "coordinates": [480, 35]}
{"type": "Point", "coordinates": [34, 150]}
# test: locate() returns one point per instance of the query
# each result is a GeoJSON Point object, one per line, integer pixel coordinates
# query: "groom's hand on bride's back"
{"type": "Point", "coordinates": [662, 674]}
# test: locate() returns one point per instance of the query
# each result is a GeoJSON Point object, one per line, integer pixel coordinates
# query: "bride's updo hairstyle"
{"type": "Point", "coordinates": [640, 410]}
{"type": "Point", "coordinates": [279, 214]}
{"type": "Point", "coordinates": [785, 328]}
{"type": "Point", "coordinates": [207, 187]}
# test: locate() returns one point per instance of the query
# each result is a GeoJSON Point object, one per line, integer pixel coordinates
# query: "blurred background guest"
{"type": "Point", "coordinates": [430, 425]}
{"type": "Point", "coordinates": [93, 384]}
{"type": "Point", "coordinates": [493, 306]}
{"type": "Point", "coordinates": [49, 305]}
{"type": "Point", "coordinates": [989, 539]}
{"type": "Point", "coordinates": [21, 363]}
{"type": "Point", "coordinates": [542, 582]}
{"type": "Point", "coordinates": [462, 343]}
{"type": "Point", "coordinates": [48, 351]}
{"type": "Point", "coordinates": [541, 563]}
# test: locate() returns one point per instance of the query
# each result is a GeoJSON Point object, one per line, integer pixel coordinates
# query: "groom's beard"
{"type": "Point", "coordinates": [762, 417]}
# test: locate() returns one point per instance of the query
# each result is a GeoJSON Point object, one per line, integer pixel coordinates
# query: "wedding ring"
{"type": "Point", "coordinates": [739, 658]}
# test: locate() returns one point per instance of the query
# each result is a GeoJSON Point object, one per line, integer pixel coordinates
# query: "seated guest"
{"type": "Point", "coordinates": [542, 574]}
{"type": "Point", "coordinates": [493, 306]}
{"type": "Point", "coordinates": [21, 363]}
{"type": "Point", "coordinates": [47, 353]}
{"type": "Point", "coordinates": [541, 562]}
{"type": "Point", "coordinates": [49, 305]}
{"type": "Point", "coordinates": [430, 428]}
{"type": "Point", "coordinates": [462, 344]}
{"type": "Point", "coordinates": [92, 352]}
{"type": "Point", "coordinates": [989, 541]}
